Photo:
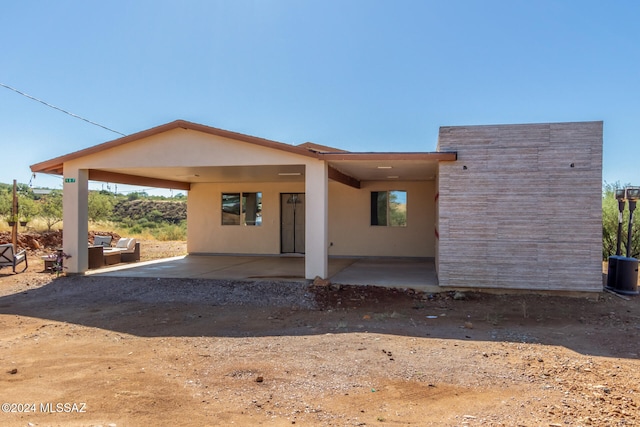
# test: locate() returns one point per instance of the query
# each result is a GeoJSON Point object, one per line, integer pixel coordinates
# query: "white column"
{"type": "Point", "coordinates": [316, 219]}
{"type": "Point", "coordinates": [75, 219]}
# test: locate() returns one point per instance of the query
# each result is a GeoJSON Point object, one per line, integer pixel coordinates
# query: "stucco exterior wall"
{"type": "Point", "coordinates": [350, 228]}
{"type": "Point", "coordinates": [350, 231]}
{"type": "Point", "coordinates": [206, 234]}
{"type": "Point", "coordinates": [170, 149]}
{"type": "Point", "coordinates": [521, 208]}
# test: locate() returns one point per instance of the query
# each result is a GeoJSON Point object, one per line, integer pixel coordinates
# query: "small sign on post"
{"type": "Point", "coordinates": [69, 180]}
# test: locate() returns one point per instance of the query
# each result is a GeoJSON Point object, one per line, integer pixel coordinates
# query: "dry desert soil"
{"type": "Point", "coordinates": [98, 351]}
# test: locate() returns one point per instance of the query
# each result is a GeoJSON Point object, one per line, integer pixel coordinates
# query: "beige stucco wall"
{"type": "Point", "coordinates": [186, 148]}
{"type": "Point", "coordinates": [206, 234]}
{"type": "Point", "coordinates": [349, 220]}
{"type": "Point", "coordinates": [521, 208]}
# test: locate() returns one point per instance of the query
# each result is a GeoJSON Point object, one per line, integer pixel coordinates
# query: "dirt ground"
{"type": "Point", "coordinates": [91, 351]}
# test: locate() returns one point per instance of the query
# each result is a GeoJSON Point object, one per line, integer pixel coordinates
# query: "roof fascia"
{"type": "Point", "coordinates": [439, 156]}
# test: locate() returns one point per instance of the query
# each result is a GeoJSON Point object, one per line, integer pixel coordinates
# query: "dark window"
{"type": "Point", "coordinates": [242, 208]}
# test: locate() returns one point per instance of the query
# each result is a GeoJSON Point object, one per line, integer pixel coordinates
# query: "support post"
{"type": "Point", "coordinates": [75, 216]}
{"type": "Point", "coordinates": [316, 220]}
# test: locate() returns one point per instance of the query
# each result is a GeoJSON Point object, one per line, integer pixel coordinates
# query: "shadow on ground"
{"type": "Point", "coordinates": [601, 325]}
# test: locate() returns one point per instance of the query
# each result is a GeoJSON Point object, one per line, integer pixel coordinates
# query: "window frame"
{"type": "Point", "coordinates": [239, 208]}
{"type": "Point", "coordinates": [376, 215]}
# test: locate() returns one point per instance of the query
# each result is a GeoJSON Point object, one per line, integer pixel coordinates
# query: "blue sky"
{"type": "Point", "coordinates": [360, 75]}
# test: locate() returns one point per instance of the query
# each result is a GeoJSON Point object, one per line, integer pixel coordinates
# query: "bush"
{"type": "Point", "coordinates": [170, 232]}
{"type": "Point", "coordinates": [154, 216]}
{"type": "Point", "coordinates": [136, 229]}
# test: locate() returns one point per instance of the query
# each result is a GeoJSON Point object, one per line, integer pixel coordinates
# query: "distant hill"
{"type": "Point", "coordinates": [153, 210]}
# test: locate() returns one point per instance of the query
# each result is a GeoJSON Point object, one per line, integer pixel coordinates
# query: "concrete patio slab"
{"type": "Point", "coordinates": [415, 273]}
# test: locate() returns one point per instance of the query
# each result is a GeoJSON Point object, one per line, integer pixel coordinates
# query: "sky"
{"type": "Point", "coordinates": [361, 75]}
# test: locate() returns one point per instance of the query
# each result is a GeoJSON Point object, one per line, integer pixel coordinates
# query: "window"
{"type": "Point", "coordinates": [242, 208]}
{"type": "Point", "coordinates": [389, 208]}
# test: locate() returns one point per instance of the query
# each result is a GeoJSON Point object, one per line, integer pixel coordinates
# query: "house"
{"type": "Point", "coordinates": [39, 192]}
{"type": "Point", "coordinates": [504, 206]}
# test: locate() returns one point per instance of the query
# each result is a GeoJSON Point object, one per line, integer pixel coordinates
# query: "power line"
{"type": "Point", "coordinates": [60, 109]}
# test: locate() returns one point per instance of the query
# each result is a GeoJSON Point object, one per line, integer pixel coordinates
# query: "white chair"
{"type": "Point", "coordinates": [10, 259]}
{"type": "Point", "coordinates": [129, 250]}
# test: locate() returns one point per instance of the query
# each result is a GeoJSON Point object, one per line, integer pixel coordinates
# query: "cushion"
{"type": "Point", "coordinates": [131, 245]}
{"type": "Point", "coordinates": [122, 243]}
{"type": "Point", "coordinates": [20, 257]}
{"type": "Point", "coordinates": [102, 240]}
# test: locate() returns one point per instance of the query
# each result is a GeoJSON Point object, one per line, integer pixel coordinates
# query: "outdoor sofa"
{"type": "Point", "coordinates": [126, 250]}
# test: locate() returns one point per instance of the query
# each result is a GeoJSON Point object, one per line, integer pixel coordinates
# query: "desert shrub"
{"type": "Point", "coordinates": [136, 229]}
{"type": "Point", "coordinates": [154, 216]}
{"type": "Point", "coordinates": [145, 223]}
{"type": "Point", "coordinates": [170, 232]}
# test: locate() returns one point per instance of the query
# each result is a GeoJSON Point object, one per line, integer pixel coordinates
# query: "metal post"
{"type": "Point", "coordinates": [619, 242]}
{"type": "Point", "coordinates": [632, 207]}
{"type": "Point", "coordinates": [14, 214]}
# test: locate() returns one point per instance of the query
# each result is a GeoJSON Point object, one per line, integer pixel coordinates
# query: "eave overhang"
{"type": "Point", "coordinates": [349, 168]}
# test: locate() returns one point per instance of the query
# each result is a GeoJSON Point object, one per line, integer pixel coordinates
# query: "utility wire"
{"type": "Point", "coordinates": [60, 109]}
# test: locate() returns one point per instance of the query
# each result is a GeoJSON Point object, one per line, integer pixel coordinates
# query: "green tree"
{"type": "Point", "coordinates": [610, 213]}
{"type": "Point", "coordinates": [27, 207]}
{"type": "Point", "coordinates": [5, 202]}
{"type": "Point", "coordinates": [51, 208]}
{"type": "Point", "coordinates": [398, 208]}
{"type": "Point", "coordinates": [100, 206]}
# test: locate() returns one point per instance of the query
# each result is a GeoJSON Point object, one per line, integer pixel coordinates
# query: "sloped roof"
{"type": "Point", "coordinates": [318, 148]}
{"type": "Point", "coordinates": [55, 165]}
{"type": "Point", "coordinates": [344, 166]}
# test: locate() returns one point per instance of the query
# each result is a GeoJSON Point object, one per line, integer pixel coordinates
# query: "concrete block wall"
{"type": "Point", "coordinates": [521, 208]}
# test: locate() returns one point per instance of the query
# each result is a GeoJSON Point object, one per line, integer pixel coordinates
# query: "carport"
{"type": "Point", "coordinates": [254, 197]}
